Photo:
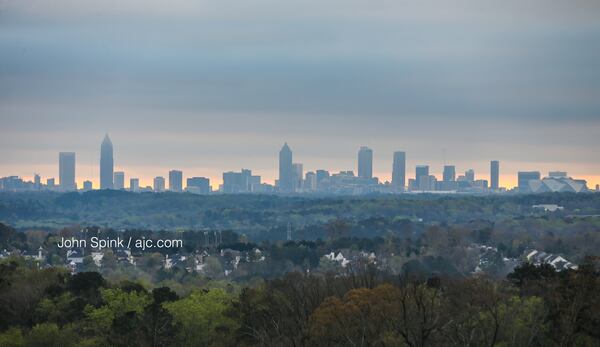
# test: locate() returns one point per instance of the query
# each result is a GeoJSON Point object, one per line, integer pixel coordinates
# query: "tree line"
{"type": "Point", "coordinates": [358, 306]}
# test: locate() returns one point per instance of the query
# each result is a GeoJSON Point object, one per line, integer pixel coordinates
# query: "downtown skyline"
{"type": "Point", "coordinates": [374, 162]}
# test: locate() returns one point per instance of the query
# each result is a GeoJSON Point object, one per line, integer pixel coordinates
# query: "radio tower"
{"type": "Point", "coordinates": [289, 232]}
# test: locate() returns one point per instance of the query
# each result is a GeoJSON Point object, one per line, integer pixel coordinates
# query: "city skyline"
{"type": "Point", "coordinates": [149, 180]}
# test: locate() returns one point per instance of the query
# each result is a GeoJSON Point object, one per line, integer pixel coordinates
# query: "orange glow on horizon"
{"type": "Point", "coordinates": [146, 174]}
{"type": "Point", "coordinates": [507, 181]}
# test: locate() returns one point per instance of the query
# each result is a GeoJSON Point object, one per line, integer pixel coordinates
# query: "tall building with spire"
{"type": "Point", "coordinates": [286, 173]}
{"type": "Point", "coordinates": [106, 164]}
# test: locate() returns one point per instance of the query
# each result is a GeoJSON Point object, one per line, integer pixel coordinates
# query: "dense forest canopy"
{"type": "Point", "coordinates": [534, 306]}
{"type": "Point", "coordinates": [253, 215]}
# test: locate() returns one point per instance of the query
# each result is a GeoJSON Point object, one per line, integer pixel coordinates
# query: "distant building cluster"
{"type": "Point", "coordinates": [559, 263]}
{"type": "Point", "coordinates": [293, 179]}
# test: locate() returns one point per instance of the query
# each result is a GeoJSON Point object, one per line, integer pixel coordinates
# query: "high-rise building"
{"type": "Point", "coordinates": [310, 181]}
{"type": "Point", "coordinates": [365, 162]}
{"type": "Point", "coordinates": [470, 175]}
{"type": "Point", "coordinates": [50, 183]}
{"type": "Point", "coordinates": [66, 168]}
{"type": "Point", "coordinates": [175, 181]}
{"type": "Point", "coordinates": [412, 184]}
{"type": "Point", "coordinates": [427, 183]}
{"type": "Point", "coordinates": [524, 177]}
{"type": "Point", "coordinates": [87, 185]}
{"type": "Point", "coordinates": [246, 180]}
{"type": "Point", "coordinates": [495, 174]}
{"type": "Point", "coordinates": [37, 182]}
{"type": "Point", "coordinates": [232, 182]}
{"type": "Point", "coordinates": [449, 173]}
{"type": "Point", "coordinates": [106, 164]}
{"type": "Point", "coordinates": [322, 175]}
{"type": "Point", "coordinates": [119, 180]}
{"type": "Point", "coordinates": [255, 183]}
{"type": "Point", "coordinates": [421, 173]}
{"type": "Point", "coordinates": [239, 182]}
{"type": "Point", "coordinates": [159, 184]}
{"type": "Point", "coordinates": [297, 175]}
{"type": "Point", "coordinates": [134, 184]}
{"type": "Point", "coordinates": [399, 170]}
{"type": "Point", "coordinates": [198, 185]}
{"type": "Point", "coordinates": [286, 175]}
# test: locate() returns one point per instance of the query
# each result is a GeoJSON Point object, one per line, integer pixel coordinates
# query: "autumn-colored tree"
{"type": "Point", "coordinates": [360, 318]}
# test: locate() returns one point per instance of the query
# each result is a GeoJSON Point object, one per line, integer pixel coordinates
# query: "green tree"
{"type": "Point", "coordinates": [49, 335]}
{"type": "Point", "coordinates": [13, 337]}
{"type": "Point", "coordinates": [119, 319]}
{"type": "Point", "coordinates": [523, 321]}
{"type": "Point", "coordinates": [157, 320]}
{"type": "Point", "coordinates": [203, 318]}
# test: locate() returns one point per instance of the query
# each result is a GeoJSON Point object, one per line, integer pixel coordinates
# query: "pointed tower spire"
{"type": "Point", "coordinates": [106, 163]}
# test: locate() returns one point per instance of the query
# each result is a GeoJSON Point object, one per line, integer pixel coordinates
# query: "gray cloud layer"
{"type": "Point", "coordinates": [214, 85]}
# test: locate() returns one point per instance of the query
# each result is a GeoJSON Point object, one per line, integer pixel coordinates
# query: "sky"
{"type": "Point", "coordinates": [213, 86]}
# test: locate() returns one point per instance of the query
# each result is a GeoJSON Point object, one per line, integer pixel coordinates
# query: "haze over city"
{"type": "Point", "coordinates": [316, 173]}
{"type": "Point", "coordinates": [208, 87]}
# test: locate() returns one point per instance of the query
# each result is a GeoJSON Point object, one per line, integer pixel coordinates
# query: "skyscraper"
{"type": "Point", "coordinates": [494, 174]}
{"type": "Point", "coordinates": [159, 184]}
{"type": "Point", "coordinates": [421, 174]}
{"type": "Point", "coordinates": [310, 181]}
{"type": "Point", "coordinates": [198, 185]}
{"type": "Point", "coordinates": [134, 184]}
{"type": "Point", "coordinates": [365, 162]}
{"type": "Point", "coordinates": [246, 180]}
{"type": "Point", "coordinates": [66, 168]}
{"type": "Point", "coordinates": [449, 173]}
{"type": "Point", "coordinates": [470, 175]}
{"type": "Point", "coordinates": [119, 180]}
{"type": "Point", "coordinates": [237, 182]}
{"type": "Point", "coordinates": [297, 175]}
{"type": "Point", "coordinates": [322, 175]}
{"type": "Point", "coordinates": [37, 182]}
{"type": "Point", "coordinates": [106, 164]}
{"type": "Point", "coordinates": [399, 170]}
{"type": "Point", "coordinates": [286, 175]}
{"type": "Point", "coordinates": [175, 181]}
{"type": "Point", "coordinates": [255, 184]}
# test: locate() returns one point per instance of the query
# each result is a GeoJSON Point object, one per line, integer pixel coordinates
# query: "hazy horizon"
{"type": "Point", "coordinates": [208, 87]}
